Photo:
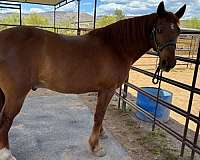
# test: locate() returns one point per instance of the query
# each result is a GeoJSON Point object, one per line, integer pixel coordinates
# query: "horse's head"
{"type": "Point", "coordinates": [165, 34]}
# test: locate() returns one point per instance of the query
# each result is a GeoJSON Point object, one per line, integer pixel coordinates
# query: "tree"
{"type": "Point", "coordinates": [67, 24]}
{"type": "Point", "coordinates": [13, 18]}
{"type": "Point", "coordinates": [119, 14]}
{"type": "Point", "coordinates": [35, 19]}
{"type": "Point", "coordinates": [31, 19]}
{"type": "Point", "coordinates": [192, 23]}
{"type": "Point", "coordinates": [105, 20]}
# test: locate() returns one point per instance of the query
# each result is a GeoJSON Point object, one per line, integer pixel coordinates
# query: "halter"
{"type": "Point", "coordinates": [159, 48]}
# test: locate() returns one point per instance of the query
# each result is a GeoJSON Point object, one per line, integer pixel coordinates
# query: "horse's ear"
{"type": "Point", "coordinates": [181, 11]}
{"type": "Point", "coordinates": [161, 9]}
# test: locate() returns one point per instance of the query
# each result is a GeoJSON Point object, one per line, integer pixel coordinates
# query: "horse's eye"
{"type": "Point", "coordinates": [159, 30]}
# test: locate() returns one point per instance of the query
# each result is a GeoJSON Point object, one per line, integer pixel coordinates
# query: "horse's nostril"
{"type": "Point", "coordinates": [164, 63]}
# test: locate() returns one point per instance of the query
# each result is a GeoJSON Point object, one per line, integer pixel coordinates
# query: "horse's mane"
{"type": "Point", "coordinates": [126, 35]}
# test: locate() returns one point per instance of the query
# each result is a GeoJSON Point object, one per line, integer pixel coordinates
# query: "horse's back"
{"type": "Point", "coordinates": [18, 40]}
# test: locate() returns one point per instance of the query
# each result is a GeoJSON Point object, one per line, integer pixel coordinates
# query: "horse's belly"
{"type": "Point", "coordinates": [74, 88]}
{"type": "Point", "coordinates": [69, 84]}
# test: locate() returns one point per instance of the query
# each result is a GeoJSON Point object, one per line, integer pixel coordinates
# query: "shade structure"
{"type": "Point", "coordinates": [44, 2]}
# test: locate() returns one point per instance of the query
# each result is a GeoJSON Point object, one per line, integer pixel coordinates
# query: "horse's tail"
{"type": "Point", "coordinates": [2, 99]}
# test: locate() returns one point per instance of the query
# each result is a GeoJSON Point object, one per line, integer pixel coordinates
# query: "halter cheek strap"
{"type": "Point", "coordinates": [153, 38]}
{"type": "Point", "coordinates": [160, 47]}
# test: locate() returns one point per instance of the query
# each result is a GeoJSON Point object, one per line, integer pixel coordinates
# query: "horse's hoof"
{"type": "Point", "coordinates": [5, 154]}
{"type": "Point", "coordinates": [100, 153]}
{"type": "Point", "coordinates": [12, 158]}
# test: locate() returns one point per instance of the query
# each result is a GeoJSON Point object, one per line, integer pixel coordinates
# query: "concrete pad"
{"type": "Point", "coordinates": [57, 128]}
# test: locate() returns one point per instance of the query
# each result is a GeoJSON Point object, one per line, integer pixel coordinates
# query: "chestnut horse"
{"type": "Point", "coordinates": [99, 61]}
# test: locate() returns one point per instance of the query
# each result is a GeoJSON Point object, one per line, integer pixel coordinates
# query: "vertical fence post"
{"type": "Point", "coordinates": [20, 14]}
{"type": "Point", "coordinates": [78, 31]}
{"type": "Point", "coordinates": [119, 101]}
{"type": "Point", "coordinates": [54, 19]}
{"type": "Point", "coordinates": [95, 13]}
{"type": "Point", "coordinates": [125, 92]}
{"type": "Point", "coordinates": [190, 101]}
{"type": "Point", "coordinates": [189, 55]}
{"type": "Point", "coordinates": [195, 139]}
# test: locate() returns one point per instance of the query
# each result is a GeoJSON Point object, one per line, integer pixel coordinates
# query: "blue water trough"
{"type": "Point", "coordinates": [149, 105]}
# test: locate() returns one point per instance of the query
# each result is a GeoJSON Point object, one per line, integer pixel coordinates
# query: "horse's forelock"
{"type": "Point", "coordinates": [171, 17]}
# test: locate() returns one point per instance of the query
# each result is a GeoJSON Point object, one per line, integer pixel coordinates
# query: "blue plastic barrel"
{"type": "Point", "coordinates": [149, 104]}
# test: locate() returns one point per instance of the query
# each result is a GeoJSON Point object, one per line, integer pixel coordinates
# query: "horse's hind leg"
{"type": "Point", "coordinates": [103, 100]}
{"type": "Point", "coordinates": [13, 103]}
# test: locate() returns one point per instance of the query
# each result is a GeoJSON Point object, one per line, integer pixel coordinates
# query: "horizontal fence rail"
{"type": "Point", "coordinates": [123, 92]}
{"type": "Point", "coordinates": [169, 81]}
{"type": "Point", "coordinates": [48, 27]}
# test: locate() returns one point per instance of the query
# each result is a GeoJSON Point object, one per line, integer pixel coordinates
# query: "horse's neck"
{"type": "Point", "coordinates": [141, 42]}
{"type": "Point", "coordinates": [130, 37]}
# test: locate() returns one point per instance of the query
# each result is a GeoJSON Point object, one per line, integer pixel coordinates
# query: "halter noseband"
{"type": "Point", "coordinates": [160, 47]}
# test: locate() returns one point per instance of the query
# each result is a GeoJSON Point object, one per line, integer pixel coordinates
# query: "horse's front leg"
{"type": "Point", "coordinates": [104, 97]}
{"type": "Point", "coordinates": [103, 133]}
{"type": "Point", "coordinates": [12, 106]}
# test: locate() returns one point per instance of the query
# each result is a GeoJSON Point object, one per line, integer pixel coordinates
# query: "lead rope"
{"type": "Point", "coordinates": [159, 76]}
{"type": "Point", "coordinates": [155, 79]}
{"type": "Point", "coordinates": [156, 76]}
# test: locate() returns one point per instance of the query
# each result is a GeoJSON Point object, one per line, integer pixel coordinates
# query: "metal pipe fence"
{"type": "Point", "coordinates": [62, 3]}
{"type": "Point", "coordinates": [193, 89]}
{"type": "Point", "coordinates": [50, 28]}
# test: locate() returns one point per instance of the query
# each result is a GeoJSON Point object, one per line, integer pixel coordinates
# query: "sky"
{"type": "Point", "coordinates": [130, 7]}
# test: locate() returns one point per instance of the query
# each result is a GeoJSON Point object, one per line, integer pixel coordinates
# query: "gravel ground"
{"type": "Point", "coordinates": [135, 136]}
{"type": "Point", "coordinates": [53, 126]}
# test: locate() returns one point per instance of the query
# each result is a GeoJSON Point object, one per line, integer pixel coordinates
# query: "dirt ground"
{"type": "Point", "coordinates": [136, 136]}
{"type": "Point", "coordinates": [133, 134]}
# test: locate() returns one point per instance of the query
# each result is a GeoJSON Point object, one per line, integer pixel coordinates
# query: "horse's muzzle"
{"type": "Point", "coordinates": [167, 65]}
